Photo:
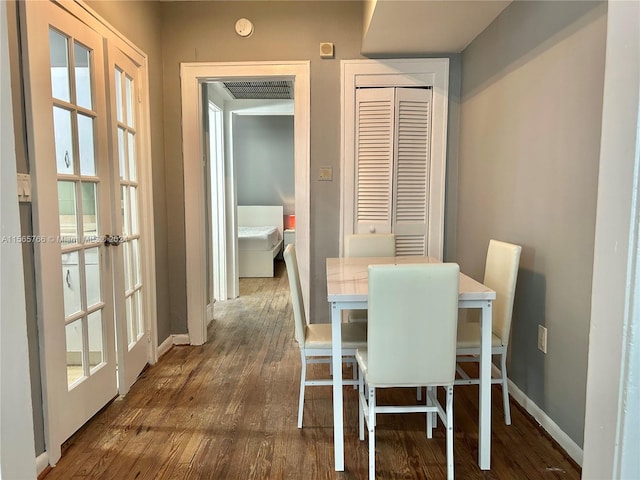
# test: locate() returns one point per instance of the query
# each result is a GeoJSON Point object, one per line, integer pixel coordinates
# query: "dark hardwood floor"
{"type": "Point", "coordinates": [227, 410]}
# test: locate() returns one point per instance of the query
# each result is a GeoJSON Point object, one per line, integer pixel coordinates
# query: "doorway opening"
{"type": "Point", "coordinates": [194, 140]}
{"type": "Point", "coordinates": [249, 149]}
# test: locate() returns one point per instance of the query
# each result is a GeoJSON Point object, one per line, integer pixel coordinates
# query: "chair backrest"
{"type": "Point", "coordinates": [370, 245]}
{"type": "Point", "coordinates": [300, 320]}
{"type": "Point", "coordinates": [412, 324]}
{"type": "Point", "coordinates": [500, 275]}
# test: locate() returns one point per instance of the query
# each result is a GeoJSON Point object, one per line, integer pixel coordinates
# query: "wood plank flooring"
{"type": "Point", "coordinates": [227, 410]}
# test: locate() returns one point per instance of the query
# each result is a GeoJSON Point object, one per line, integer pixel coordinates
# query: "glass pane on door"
{"type": "Point", "coordinates": [75, 357]}
{"type": "Point", "coordinates": [82, 58]}
{"type": "Point", "coordinates": [63, 140]}
{"type": "Point", "coordinates": [131, 143]}
{"type": "Point", "coordinates": [129, 95]}
{"type": "Point", "coordinates": [86, 145]}
{"type": "Point", "coordinates": [67, 209]}
{"type": "Point", "coordinates": [121, 153]}
{"type": "Point", "coordinates": [59, 57]}
{"type": "Point", "coordinates": [96, 340]}
{"type": "Point", "coordinates": [92, 275]}
{"type": "Point", "coordinates": [135, 263]}
{"type": "Point", "coordinates": [118, 89]}
{"type": "Point", "coordinates": [133, 207]}
{"type": "Point", "coordinates": [71, 283]}
{"type": "Point", "coordinates": [128, 281]}
{"type": "Point", "coordinates": [138, 313]}
{"type": "Point", "coordinates": [89, 211]}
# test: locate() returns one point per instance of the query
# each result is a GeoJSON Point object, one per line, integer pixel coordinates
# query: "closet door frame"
{"type": "Point", "coordinates": [427, 72]}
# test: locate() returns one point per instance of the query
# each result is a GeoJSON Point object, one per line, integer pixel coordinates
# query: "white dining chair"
{"type": "Point", "coordinates": [314, 340]}
{"type": "Point", "coordinates": [500, 275]}
{"type": "Point", "coordinates": [370, 245]}
{"type": "Point", "coordinates": [413, 318]}
{"type": "Point", "coordinates": [367, 245]}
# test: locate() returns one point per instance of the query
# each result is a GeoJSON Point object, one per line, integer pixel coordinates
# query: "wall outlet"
{"type": "Point", "coordinates": [542, 339]}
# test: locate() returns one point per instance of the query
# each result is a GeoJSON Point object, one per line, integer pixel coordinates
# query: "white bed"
{"type": "Point", "coordinates": [259, 239]}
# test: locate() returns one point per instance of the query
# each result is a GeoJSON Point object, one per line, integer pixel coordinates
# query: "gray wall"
{"type": "Point", "coordinates": [263, 157]}
{"type": "Point", "coordinates": [528, 167]}
{"type": "Point", "coordinates": [202, 32]}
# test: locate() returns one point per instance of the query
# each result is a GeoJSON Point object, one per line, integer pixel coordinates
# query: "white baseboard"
{"type": "Point", "coordinates": [165, 346]}
{"type": "Point", "coordinates": [551, 427]}
{"type": "Point", "coordinates": [181, 339]}
{"type": "Point", "coordinates": [42, 462]}
{"type": "Point", "coordinates": [209, 314]}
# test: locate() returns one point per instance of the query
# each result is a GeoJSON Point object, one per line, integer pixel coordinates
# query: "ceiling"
{"type": "Point", "coordinates": [426, 26]}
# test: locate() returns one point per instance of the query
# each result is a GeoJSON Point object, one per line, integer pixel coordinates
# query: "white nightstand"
{"type": "Point", "coordinates": [289, 236]}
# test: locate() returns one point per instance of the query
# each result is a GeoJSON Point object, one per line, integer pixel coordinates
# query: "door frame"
{"type": "Point", "coordinates": [192, 75]}
{"type": "Point", "coordinates": [415, 72]}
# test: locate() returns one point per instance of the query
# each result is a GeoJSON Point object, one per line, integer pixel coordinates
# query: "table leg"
{"type": "Point", "coordinates": [484, 422]}
{"type": "Point", "coordinates": [336, 357]}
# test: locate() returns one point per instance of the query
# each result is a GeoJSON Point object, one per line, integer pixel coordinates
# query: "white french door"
{"type": "Point", "coordinates": [82, 114]}
{"type": "Point", "coordinates": [132, 333]}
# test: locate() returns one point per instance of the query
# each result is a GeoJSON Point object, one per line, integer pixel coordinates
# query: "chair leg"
{"type": "Point", "coordinates": [505, 389]}
{"type": "Point", "coordinates": [418, 393]}
{"type": "Point", "coordinates": [303, 374]}
{"type": "Point", "coordinates": [449, 427]}
{"type": "Point", "coordinates": [372, 433]}
{"type": "Point", "coordinates": [355, 374]}
{"type": "Point", "coordinates": [361, 393]}
{"type": "Point", "coordinates": [430, 416]}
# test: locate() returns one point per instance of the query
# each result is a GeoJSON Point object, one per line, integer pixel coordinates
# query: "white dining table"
{"type": "Point", "coordinates": [347, 285]}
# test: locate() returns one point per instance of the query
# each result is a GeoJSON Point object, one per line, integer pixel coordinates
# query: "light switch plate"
{"type": "Point", "coordinates": [326, 174]}
{"type": "Point", "coordinates": [542, 339]}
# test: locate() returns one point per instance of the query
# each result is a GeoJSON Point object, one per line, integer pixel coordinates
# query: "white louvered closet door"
{"type": "Point", "coordinates": [392, 164]}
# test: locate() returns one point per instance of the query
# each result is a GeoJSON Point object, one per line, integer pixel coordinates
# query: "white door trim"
{"type": "Point", "coordinates": [192, 76]}
{"type": "Point", "coordinates": [217, 225]}
{"type": "Point", "coordinates": [433, 72]}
